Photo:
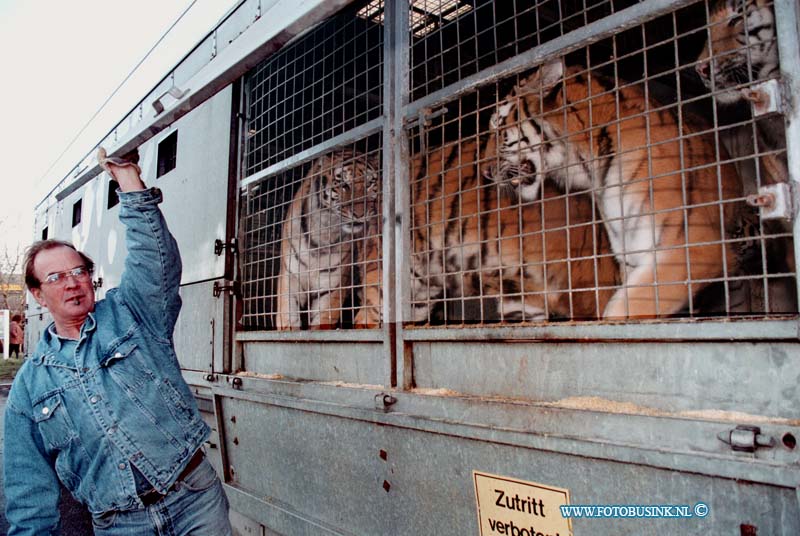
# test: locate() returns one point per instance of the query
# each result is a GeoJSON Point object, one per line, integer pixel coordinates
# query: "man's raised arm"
{"type": "Point", "coordinates": [152, 275]}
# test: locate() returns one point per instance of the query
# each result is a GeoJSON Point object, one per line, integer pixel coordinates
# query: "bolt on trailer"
{"type": "Point", "coordinates": [482, 263]}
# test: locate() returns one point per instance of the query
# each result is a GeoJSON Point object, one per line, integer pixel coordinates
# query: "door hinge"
{"type": "Point", "coordinates": [745, 438]}
{"type": "Point", "coordinates": [232, 246]}
{"type": "Point", "coordinates": [231, 288]}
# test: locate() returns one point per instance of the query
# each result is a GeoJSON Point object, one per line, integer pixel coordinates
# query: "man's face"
{"type": "Point", "coordinates": [70, 299]}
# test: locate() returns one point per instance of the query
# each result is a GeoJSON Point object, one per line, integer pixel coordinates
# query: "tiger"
{"type": "Point", "coordinates": [655, 184]}
{"type": "Point", "coordinates": [533, 261]}
{"type": "Point", "coordinates": [742, 50]}
{"type": "Point", "coordinates": [370, 268]}
{"type": "Point", "coordinates": [323, 232]}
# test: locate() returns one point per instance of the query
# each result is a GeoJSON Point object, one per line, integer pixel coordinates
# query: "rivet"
{"type": "Point", "coordinates": [45, 410]}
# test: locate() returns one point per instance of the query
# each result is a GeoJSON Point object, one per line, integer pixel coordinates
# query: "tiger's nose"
{"type": "Point", "coordinates": [702, 69]}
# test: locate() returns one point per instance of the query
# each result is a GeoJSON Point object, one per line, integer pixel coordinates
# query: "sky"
{"type": "Point", "coordinates": [60, 60]}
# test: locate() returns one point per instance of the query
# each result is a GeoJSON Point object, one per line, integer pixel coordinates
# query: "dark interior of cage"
{"type": "Point", "coordinates": [319, 86]}
{"type": "Point", "coordinates": [331, 80]}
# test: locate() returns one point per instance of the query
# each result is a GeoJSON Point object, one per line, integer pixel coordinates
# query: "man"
{"type": "Point", "coordinates": [15, 336]}
{"type": "Point", "coordinates": [101, 404]}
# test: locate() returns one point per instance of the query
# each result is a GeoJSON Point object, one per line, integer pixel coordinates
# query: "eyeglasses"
{"type": "Point", "coordinates": [80, 272]}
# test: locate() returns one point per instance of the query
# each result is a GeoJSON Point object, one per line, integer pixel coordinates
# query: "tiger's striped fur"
{"type": "Point", "coordinates": [663, 205]}
{"type": "Point", "coordinates": [328, 219]}
{"type": "Point", "coordinates": [536, 261]}
{"type": "Point", "coordinates": [742, 48]}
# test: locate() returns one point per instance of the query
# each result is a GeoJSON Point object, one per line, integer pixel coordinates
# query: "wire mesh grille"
{"type": "Point", "coordinates": [452, 39]}
{"type": "Point", "coordinates": [312, 256]}
{"type": "Point", "coordinates": [620, 181]}
{"type": "Point", "coordinates": [325, 83]}
{"type": "Point", "coordinates": [615, 182]}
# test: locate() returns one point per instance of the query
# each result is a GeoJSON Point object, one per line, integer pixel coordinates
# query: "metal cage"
{"type": "Point", "coordinates": [647, 180]}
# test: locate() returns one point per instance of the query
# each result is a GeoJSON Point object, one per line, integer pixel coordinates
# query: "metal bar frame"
{"type": "Point", "coordinates": [368, 128]}
{"type": "Point", "coordinates": [399, 112]}
{"type": "Point", "coordinates": [429, 414]}
{"type": "Point", "coordinates": [402, 352]}
{"type": "Point", "coordinates": [678, 329]}
{"type": "Point", "coordinates": [788, 26]}
{"type": "Point", "coordinates": [584, 36]}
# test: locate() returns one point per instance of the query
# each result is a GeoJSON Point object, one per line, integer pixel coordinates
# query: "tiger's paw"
{"type": "Point", "coordinates": [367, 318]}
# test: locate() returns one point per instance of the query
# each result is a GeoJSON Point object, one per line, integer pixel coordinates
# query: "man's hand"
{"type": "Point", "coordinates": [127, 174]}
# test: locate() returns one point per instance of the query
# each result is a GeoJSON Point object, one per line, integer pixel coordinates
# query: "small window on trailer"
{"type": "Point", "coordinates": [44, 233]}
{"type": "Point", "coordinates": [167, 154]}
{"type": "Point", "coordinates": [113, 198]}
{"type": "Point", "coordinates": [76, 212]}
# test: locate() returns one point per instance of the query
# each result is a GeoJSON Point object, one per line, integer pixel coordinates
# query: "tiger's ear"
{"type": "Point", "coordinates": [544, 79]}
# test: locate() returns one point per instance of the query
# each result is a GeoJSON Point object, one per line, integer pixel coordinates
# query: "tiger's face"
{"type": "Point", "coordinates": [348, 189]}
{"type": "Point", "coordinates": [521, 149]}
{"type": "Point", "coordinates": [741, 49]}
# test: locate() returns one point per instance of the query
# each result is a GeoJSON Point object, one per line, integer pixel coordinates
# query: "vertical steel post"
{"type": "Point", "coordinates": [400, 223]}
{"type": "Point", "coordinates": [390, 141]}
{"type": "Point", "coordinates": [788, 26]}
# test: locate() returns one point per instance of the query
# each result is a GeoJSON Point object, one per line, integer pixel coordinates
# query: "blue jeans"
{"type": "Point", "coordinates": [197, 506]}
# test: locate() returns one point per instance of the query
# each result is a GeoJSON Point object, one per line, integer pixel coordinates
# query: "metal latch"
{"type": "Point", "coordinates": [232, 246]}
{"type": "Point", "coordinates": [423, 119]}
{"type": "Point", "coordinates": [384, 400]}
{"type": "Point", "coordinates": [232, 288]}
{"type": "Point", "coordinates": [424, 116]}
{"type": "Point", "coordinates": [774, 201]}
{"type": "Point", "coordinates": [745, 438]}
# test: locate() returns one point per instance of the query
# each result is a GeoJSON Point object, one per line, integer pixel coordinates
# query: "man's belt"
{"type": "Point", "coordinates": [152, 496]}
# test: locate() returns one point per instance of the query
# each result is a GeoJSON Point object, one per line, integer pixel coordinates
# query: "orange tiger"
{"type": "Point", "coordinates": [538, 261]}
{"type": "Point", "coordinates": [741, 51]}
{"type": "Point", "coordinates": [665, 202]}
{"type": "Point", "coordinates": [323, 235]}
{"type": "Point", "coordinates": [370, 268]}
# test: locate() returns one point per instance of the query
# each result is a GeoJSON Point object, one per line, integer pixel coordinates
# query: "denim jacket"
{"type": "Point", "coordinates": [83, 411]}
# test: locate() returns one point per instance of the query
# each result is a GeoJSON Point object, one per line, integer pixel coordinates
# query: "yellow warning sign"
{"type": "Point", "coordinates": [518, 508]}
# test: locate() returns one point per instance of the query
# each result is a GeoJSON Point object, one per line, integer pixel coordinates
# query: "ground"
{"type": "Point", "coordinates": [8, 367]}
